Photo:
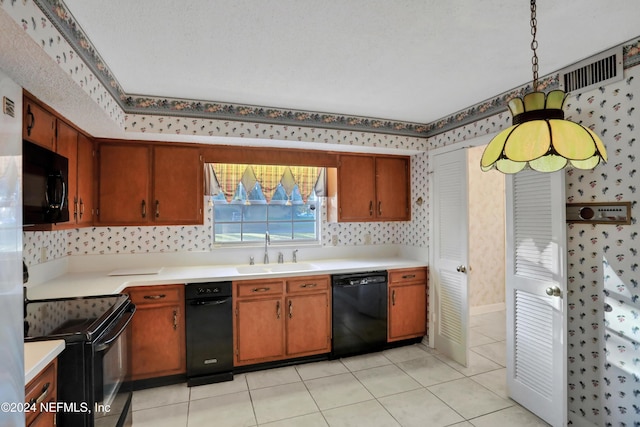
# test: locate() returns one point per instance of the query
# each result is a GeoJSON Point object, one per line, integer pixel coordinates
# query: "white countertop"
{"type": "Point", "coordinates": [37, 355]}
{"type": "Point", "coordinates": [101, 283]}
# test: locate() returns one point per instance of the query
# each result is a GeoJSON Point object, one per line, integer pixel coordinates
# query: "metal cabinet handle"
{"type": "Point", "coordinates": [81, 208]}
{"type": "Point", "coordinates": [461, 269]}
{"type": "Point", "coordinates": [144, 209]}
{"type": "Point", "coordinates": [379, 208]}
{"type": "Point", "coordinates": [309, 285]}
{"type": "Point", "coordinates": [32, 120]}
{"type": "Point", "coordinates": [277, 309]}
{"type": "Point", "coordinates": [290, 309]}
{"type": "Point", "coordinates": [75, 208]}
{"type": "Point", "coordinates": [260, 289]}
{"type": "Point", "coordinates": [160, 296]}
{"type": "Point", "coordinates": [371, 208]}
{"type": "Point", "coordinates": [43, 395]}
{"type": "Point", "coordinates": [175, 320]}
{"type": "Point", "coordinates": [157, 209]}
{"type": "Point", "coordinates": [393, 297]}
{"type": "Point", "coordinates": [409, 276]}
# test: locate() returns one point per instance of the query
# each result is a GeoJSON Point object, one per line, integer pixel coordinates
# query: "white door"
{"type": "Point", "coordinates": [448, 272]}
{"type": "Point", "coordinates": [536, 267]}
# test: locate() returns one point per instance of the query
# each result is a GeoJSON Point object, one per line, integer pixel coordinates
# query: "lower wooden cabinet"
{"type": "Point", "coordinates": [308, 318]}
{"type": "Point", "coordinates": [158, 331]}
{"type": "Point", "coordinates": [281, 318]}
{"type": "Point", "coordinates": [407, 304]}
{"type": "Point", "coordinates": [259, 330]}
{"type": "Point", "coordinates": [42, 390]}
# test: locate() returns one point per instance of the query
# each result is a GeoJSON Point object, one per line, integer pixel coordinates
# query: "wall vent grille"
{"type": "Point", "coordinates": [599, 70]}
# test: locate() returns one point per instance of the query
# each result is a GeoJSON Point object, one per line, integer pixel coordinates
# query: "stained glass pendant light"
{"type": "Point", "coordinates": [539, 137]}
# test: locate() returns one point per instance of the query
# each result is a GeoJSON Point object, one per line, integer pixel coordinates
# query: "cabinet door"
{"type": "Point", "coordinates": [124, 184]}
{"type": "Point", "coordinates": [407, 311]}
{"type": "Point", "coordinates": [43, 389]}
{"type": "Point", "coordinates": [392, 188]}
{"type": "Point", "coordinates": [178, 187]}
{"type": "Point", "coordinates": [67, 146]}
{"type": "Point", "coordinates": [157, 342]}
{"type": "Point", "coordinates": [86, 207]}
{"type": "Point", "coordinates": [38, 125]}
{"type": "Point", "coordinates": [308, 324]}
{"type": "Point", "coordinates": [356, 188]}
{"type": "Point", "coordinates": [259, 330]}
{"type": "Point", "coordinates": [45, 419]}
{"type": "Point", "coordinates": [158, 331]}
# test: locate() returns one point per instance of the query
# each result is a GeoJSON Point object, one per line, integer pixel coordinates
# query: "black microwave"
{"type": "Point", "coordinates": [44, 186]}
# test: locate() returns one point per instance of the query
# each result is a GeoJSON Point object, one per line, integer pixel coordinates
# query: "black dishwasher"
{"type": "Point", "coordinates": [359, 313]}
{"type": "Point", "coordinates": [209, 323]}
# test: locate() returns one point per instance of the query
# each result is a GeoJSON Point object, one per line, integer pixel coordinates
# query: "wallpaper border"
{"type": "Point", "coordinates": [57, 12]}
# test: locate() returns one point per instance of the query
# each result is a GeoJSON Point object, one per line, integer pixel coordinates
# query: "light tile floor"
{"type": "Point", "coordinates": [407, 386]}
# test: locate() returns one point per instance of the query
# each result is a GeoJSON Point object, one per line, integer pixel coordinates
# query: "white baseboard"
{"type": "Point", "coordinates": [489, 308]}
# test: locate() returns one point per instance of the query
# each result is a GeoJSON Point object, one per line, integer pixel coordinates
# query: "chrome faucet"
{"type": "Point", "coordinates": [267, 241]}
{"type": "Point", "coordinates": [295, 256]}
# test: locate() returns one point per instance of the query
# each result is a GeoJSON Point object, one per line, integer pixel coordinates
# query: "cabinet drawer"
{"type": "Point", "coordinates": [259, 288]}
{"type": "Point", "coordinates": [407, 276]}
{"type": "Point", "coordinates": [40, 390]}
{"type": "Point", "coordinates": [158, 294]}
{"type": "Point", "coordinates": [308, 284]}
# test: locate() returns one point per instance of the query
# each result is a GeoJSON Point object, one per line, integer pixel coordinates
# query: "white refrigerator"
{"type": "Point", "coordinates": [11, 294]}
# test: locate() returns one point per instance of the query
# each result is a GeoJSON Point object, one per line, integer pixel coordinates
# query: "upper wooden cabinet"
{"type": "Point", "coordinates": [78, 148]}
{"type": "Point", "coordinates": [373, 188]}
{"type": "Point", "coordinates": [85, 194]}
{"type": "Point", "coordinates": [38, 124]}
{"type": "Point", "coordinates": [44, 128]}
{"type": "Point", "coordinates": [149, 184]}
{"type": "Point", "coordinates": [177, 185]}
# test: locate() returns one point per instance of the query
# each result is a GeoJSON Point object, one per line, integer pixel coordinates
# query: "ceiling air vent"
{"type": "Point", "coordinates": [599, 70]}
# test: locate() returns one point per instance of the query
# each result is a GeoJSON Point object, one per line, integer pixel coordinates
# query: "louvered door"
{"type": "Point", "coordinates": [450, 254]}
{"type": "Point", "coordinates": [536, 334]}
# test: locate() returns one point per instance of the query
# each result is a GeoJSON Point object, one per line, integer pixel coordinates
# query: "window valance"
{"type": "Point", "coordinates": [224, 178]}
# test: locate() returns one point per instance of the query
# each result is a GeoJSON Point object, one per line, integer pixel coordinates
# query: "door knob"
{"type": "Point", "coordinates": [553, 291]}
{"type": "Point", "coordinates": [461, 269]}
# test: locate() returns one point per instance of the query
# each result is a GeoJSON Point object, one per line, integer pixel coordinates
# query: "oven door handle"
{"type": "Point", "coordinates": [112, 336]}
{"type": "Point", "coordinates": [201, 303]}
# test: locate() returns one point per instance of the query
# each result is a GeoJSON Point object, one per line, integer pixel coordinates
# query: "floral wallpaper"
{"type": "Point", "coordinates": [604, 305]}
{"type": "Point", "coordinates": [247, 129]}
{"type": "Point", "coordinates": [155, 239]}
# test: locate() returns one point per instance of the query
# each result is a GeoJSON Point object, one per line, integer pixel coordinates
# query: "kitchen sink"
{"type": "Point", "coordinates": [276, 268]}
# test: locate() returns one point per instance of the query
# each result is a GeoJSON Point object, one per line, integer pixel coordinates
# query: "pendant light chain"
{"type": "Point", "coordinates": [534, 45]}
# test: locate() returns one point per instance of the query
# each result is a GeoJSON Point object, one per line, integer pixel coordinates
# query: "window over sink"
{"type": "Point", "coordinates": [249, 200]}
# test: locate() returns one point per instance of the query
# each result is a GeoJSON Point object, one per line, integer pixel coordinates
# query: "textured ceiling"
{"type": "Point", "coordinates": [410, 60]}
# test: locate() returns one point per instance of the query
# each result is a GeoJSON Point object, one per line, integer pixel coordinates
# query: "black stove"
{"type": "Point", "coordinates": [93, 370]}
{"type": "Point", "coordinates": [71, 319]}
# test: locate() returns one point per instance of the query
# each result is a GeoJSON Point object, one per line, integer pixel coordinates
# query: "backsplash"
{"type": "Point", "coordinates": [42, 246]}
